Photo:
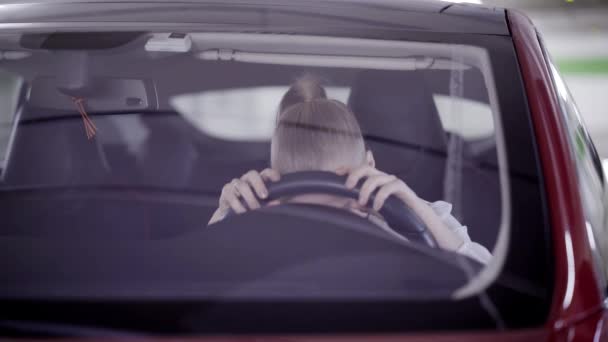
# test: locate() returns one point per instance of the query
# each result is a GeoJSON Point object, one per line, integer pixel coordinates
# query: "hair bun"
{"type": "Point", "coordinates": [305, 89]}
{"type": "Point", "coordinates": [309, 87]}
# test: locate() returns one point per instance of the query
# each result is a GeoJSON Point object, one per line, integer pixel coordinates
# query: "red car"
{"type": "Point", "coordinates": [122, 122]}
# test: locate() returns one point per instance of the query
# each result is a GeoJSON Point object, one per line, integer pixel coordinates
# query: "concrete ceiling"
{"type": "Point", "coordinates": [533, 4]}
{"type": "Point", "coordinates": [562, 16]}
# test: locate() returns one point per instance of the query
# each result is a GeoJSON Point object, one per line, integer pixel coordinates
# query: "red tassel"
{"type": "Point", "coordinates": [89, 126]}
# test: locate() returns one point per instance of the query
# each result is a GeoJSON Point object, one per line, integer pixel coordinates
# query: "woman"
{"type": "Point", "coordinates": [316, 133]}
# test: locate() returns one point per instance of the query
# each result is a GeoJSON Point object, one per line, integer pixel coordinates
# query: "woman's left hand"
{"type": "Point", "coordinates": [385, 184]}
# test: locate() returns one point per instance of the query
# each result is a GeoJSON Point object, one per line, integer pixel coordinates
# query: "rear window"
{"type": "Point", "coordinates": [128, 173]}
{"type": "Point", "coordinates": [247, 113]}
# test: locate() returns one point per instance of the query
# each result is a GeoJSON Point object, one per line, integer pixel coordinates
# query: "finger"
{"type": "Point", "coordinates": [355, 176]}
{"type": "Point", "coordinates": [270, 174]}
{"type": "Point", "coordinates": [227, 193]}
{"type": "Point", "coordinates": [235, 204]}
{"type": "Point", "coordinates": [341, 171]}
{"type": "Point", "coordinates": [245, 189]}
{"type": "Point", "coordinates": [230, 198]}
{"type": "Point", "coordinates": [371, 184]}
{"type": "Point", "coordinates": [254, 179]}
{"type": "Point", "coordinates": [385, 192]}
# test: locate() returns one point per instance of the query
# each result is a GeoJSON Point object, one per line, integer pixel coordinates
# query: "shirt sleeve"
{"type": "Point", "coordinates": [469, 248]}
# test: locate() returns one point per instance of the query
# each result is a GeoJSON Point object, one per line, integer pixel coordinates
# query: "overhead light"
{"type": "Point", "coordinates": [169, 42]}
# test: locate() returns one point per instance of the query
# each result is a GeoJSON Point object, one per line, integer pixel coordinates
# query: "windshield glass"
{"type": "Point", "coordinates": [249, 165]}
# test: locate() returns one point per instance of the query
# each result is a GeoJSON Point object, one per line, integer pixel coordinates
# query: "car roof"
{"type": "Point", "coordinates": [290, 16]}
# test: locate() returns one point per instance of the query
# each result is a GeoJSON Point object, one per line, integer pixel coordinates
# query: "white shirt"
{"type": "Point", "coordinates": [443, 210]}
{"type": "Point", "coordinates": [468, 248]}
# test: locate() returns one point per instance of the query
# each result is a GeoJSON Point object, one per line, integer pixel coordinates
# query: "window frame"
{"type": "Point", "coordinates": [582, 149]}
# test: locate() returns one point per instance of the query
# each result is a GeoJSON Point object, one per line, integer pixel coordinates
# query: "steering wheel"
{"type": "Point", "coordinates": [398, 216]}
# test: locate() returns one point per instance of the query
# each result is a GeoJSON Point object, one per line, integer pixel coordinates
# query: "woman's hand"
{"type": "Point", "coordinates": [388, 185]}
{"type": "Point", "coordinates": [249, 187]}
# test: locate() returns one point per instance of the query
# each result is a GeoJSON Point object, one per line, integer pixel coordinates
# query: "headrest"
{"type": "Point", "coordinates": [397, 106]}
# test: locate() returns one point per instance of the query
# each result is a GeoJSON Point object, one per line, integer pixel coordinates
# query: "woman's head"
{"type": "Point", "coordinates": [315, 133]}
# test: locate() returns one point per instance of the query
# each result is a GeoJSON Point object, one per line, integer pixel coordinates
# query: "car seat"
{"type": "Point", "coordinates": [403, 129]}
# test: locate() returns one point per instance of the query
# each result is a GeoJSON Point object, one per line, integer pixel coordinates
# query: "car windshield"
{"type": "Point", "coordinates": [118, 148]}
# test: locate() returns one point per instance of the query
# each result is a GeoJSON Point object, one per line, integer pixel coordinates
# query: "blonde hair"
{"type": "Point", "coordinates": [305, 88]}
{"type": "Point", "coordinates": [315, 133]}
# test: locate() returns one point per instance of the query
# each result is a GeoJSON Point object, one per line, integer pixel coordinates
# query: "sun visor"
{"type": "Point", "coordinates": [105, 95]}
{"type": "Point", "coordinates": [78, 40]}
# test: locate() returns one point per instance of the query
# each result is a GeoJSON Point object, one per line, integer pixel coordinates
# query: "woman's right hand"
{"type": "Point", "coordinates": [249, 187]}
